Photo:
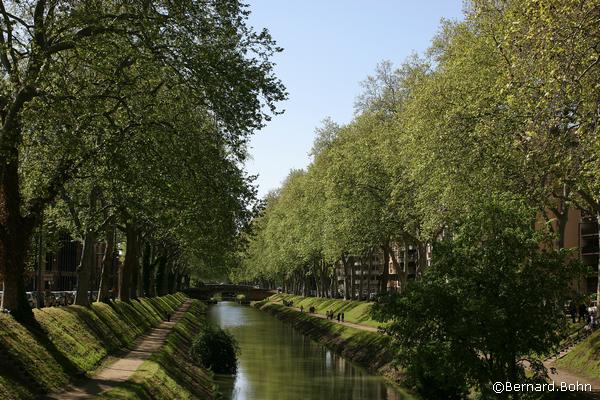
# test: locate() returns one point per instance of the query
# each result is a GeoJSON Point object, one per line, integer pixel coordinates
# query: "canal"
{"type": "Point", "coordinates": [279, 363]}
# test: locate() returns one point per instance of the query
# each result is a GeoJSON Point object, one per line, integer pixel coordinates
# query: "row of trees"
{"type": "Point", "coordinates": [505, 101]}
{"type": "Point", "coordinates": [127, 122]}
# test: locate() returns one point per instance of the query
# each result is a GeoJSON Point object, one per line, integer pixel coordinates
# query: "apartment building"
{"type": "Point", "coordinates": [57, 271]}
{"type": "Point", "coordinates": [581, 233]}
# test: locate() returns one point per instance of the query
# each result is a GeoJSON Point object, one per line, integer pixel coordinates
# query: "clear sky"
{"type": "Point", "coordinates": [330, 46]}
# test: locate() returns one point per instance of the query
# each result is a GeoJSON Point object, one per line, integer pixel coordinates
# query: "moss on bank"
{"type": "Point", "coordinates": [70, 341]}
{"type": "Point", "coordinates": [169, 373]}
{"type": "Point", "coordinates": [354, 311]}
{"type": "Point", "coordinates": [371, 350]}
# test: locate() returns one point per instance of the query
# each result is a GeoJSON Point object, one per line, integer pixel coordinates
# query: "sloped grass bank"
{"type": "Point", "coordinates": [170, 373]}
{"type": "Point", "coordinates": [354, 311]}
{"type": "Point", "coordinates": [70, 341]}
{"type": "Point", "coordinates": [584, 359]}
{"type": "Point", "coordinates": [371, 350]}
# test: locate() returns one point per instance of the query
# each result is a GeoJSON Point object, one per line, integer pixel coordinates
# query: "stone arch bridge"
{"type": "Point", "coordinates": [205, 292]}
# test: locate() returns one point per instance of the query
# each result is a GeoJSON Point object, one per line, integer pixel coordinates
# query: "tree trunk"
{"type": "Point", "coordinates": [386, 268]}
{"type": "Point", "coordinates": [316, 276]}
{"type": "Point", "coordinates": [169, 271]}
{"type": "Point", "coordinates": [152, 280]}
{"type": "Point", "coordinates": [15, 237]}
{"type": "Point", "coordinates": [370, 274]}
{"type": "Point", "coordinates": [396, 265]}
{"type": "Point", "coordinates": [421, 259]}
{"type": "Point", "coordinates": [346, 276]}
{"type": "Point", "coordinates": [174, 281]}
{"type": "Point", "coordinates": [41, 255]}
{"type": "Point", "coordinates": [146, 269]}
{"type": "Point", "coordinates": [361, 281]}
{"type": "Point", "coordinates": [561, 220]}
{"type": "Point", "coordinates": [84, 270]}
{"type": "Point", "coordinates": [323, 278]}
{"type": "Point", "coordinates": [137, 279]}
{"type": "Point", "coordinates": [161, 276]}
{"type": "Point", "coordinates": [129, 265]}
{"type": "Point", "coordinates": [107, 263]}
{"type": "Point", "coordinates": [404, 273]}
{"type": "Point", "coordinates": [598, 284]}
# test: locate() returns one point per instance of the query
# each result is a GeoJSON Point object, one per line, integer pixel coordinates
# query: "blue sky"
{"type": "Point", "coordinates": [330, 46]}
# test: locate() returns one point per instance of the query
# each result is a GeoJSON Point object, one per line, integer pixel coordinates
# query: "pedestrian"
{"type": "Point", "coordinates": [573, 310]}
{"type": "Point", "coordinates": [301, 308]}
{"type": "Point", "coordinates": [582, 312]}
{"type": "Point", "coordinates": [342, 317]}
{"type": "Point", "coordinates": [338, 317]}
{"type": "Point", "coordinates": [168, 317]}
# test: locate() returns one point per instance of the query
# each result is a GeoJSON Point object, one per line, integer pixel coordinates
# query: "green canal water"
{"type": "Point", "coordinates": [279, 363]}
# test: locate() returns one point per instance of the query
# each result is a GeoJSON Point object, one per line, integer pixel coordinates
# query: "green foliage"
{"type": "Point", "coordinates": [215, 349]}
{"type": "Point", "coordinates": [130, 114]}
{"type": "Point", "coordinates": [492, 300]}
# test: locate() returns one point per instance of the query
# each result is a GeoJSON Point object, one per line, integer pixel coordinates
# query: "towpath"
{"type": "Point", "coordinates": [345, 323]}
{"type": "Point", "coordinates": [560, 376]}
{"type": "Point", "coordinates": [121, 369]}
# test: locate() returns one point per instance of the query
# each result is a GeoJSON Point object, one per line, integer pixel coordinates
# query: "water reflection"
{"type": "Point", "coordinates": [278, 363]}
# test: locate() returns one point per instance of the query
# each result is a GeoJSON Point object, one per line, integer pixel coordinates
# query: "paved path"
{"type": "Point", "coordinates": [123, 368]}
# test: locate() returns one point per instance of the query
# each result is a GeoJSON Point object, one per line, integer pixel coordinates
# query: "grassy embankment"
{"type": "Point", "coordinates": [584, 359]}
{"type": "Point", "coordinates": [354, 311]}
{"type": "Point", "coordinates": [169, 373]}
{"type": "Point", "coordinates": [71, 341]}
{"type": "Point", "coordinates": [371, 350]}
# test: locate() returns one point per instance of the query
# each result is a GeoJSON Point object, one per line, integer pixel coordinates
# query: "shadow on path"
{"type": "Point", "coordinates": [119, 371]}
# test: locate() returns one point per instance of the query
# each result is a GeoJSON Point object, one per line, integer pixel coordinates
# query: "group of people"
{"type": "Point", "coordinates": [311, 309]}
{"type": "Point", "coordinates": [288, 303]}
{"type": "Point", "coordinates": [581, 313]}
{"type": "Point", "coordinates": [331, 315]}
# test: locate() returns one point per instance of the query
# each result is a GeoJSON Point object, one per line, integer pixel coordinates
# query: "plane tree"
{"type": "Point", "coordinates": [47, 50]}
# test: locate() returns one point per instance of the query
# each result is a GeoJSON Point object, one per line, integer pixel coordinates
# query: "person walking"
{"type": "Point", "coordinates": [342, 317]}
{"type": "Point", "coordinates": [573, 311]}
{"type": "Point", "coordinates": [582, 312]}
{"type": "Point", "coordinates": [338, 317]}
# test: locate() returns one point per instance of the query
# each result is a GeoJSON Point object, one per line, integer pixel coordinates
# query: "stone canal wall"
{"type": "Point", "coordinates": [371, 350]}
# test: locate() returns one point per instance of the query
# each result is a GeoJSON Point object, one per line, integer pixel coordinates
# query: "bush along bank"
{"type": "Point", "coordinates": [171, 372]}
{"type": "Point", "coordinates": [371, 350]}
{"type": "Point", "coordinates": [68, 342]}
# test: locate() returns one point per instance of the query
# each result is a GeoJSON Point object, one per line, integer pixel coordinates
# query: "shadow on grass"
{"type": "Point", "coordinates": [21, 372]}
{"type": "Point", "coordinates": [95, 325]}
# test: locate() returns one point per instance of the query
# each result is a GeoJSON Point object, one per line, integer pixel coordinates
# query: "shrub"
{"type": "Point", "coordinates": [216, 349]}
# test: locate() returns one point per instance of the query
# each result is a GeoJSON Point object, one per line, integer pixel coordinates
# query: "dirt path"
{"type": "Point", "coordinates": [122, 368]}
{"type": "Point", "coordinates": [561, 376]}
